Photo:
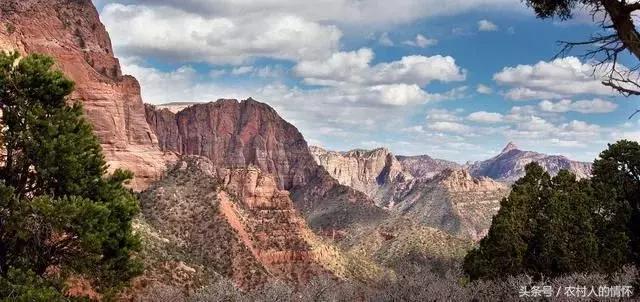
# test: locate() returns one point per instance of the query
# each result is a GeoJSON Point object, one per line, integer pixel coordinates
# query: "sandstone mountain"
{"type": "Point", "coordinates": [452, 201]}
{"type": "Point", "coordinates": [437, 193]}
{"type": "Point", "coordinates": [238, 134]}
{"type": "Point", "coordinates": [425, 165]}
{"type": "Point", "coordinates": [509, 164]}
{"type": "Point", "coordinates": [202, 223]}
{"type": "Point", "coordinates": [71, 32]}
{"type": "Point", "coordinates": [363, 170]}
{"type": "Point", "coordinates": [234, 222]}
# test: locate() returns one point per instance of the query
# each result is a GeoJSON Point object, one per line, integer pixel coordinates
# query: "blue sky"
{"type": "Point", "coordinates": [455, 80]}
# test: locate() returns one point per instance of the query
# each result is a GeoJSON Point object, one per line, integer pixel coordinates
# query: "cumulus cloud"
{"type": "Point", "coordinates": [355, 67]}
{"type": "Point", "coordinates": [453, 127]}
{"type": "Point", "coordinates": [421, 41]}
{"type": "Point", "coordinates": [559, 78]}
{"type": "Point", "coordinates": [442, 115]}
{"type": "Point", "coordinates": [486, 25]}
{"type": "Point", "coordinates": [184, 36]}
{"type": "Point", "coordinates": [485, 117]}
{"type": "Point", "coordinates": [582, 106]}
{"type": "Point", "coordinates": [484, 89]}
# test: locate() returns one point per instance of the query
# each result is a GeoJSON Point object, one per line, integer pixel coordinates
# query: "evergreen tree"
{"type": "Point", "coordinates": [58, 207]}
{"type": "Point", "coordinates": [616, 178]}
{"type": "Point", "coordinates": [554, 226]}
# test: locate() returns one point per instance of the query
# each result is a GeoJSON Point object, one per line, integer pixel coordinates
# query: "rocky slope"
{"type": "Point", "coordinates": [71, 32]}
{"type": "Point", "coordinates": [239, 134]}
{"type": "Point", "coordinates": [452, 201]}
{"type": "Point", "coordinates": [509, 164]}
{"type": "Point", "coordinates": [232, 221]}
{"type": "Point", "coordinates": [437, 193]}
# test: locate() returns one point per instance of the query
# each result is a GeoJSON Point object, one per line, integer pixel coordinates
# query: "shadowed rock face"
{"type": "Point", "coordinates": [71, 32]}
{"type": "Point", "coordinates": [509, 164]}
{"type": "Point", "coordinates": [235, 134]}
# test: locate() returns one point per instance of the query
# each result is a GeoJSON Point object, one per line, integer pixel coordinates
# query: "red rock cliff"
{"type": "Point", "coordinates": [239, 134]}
{"type": "Point", "coordinates": [71, 32]}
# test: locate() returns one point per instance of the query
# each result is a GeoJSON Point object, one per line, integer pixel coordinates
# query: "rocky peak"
{"type": "Point", "coordinates": [509, 166]}
{"type": "Point", "coordinates": [236, 133]}
{"type": "Point", "coordinates": [461, 180]}
{"type": "Point", "coordinates": [510, 146]}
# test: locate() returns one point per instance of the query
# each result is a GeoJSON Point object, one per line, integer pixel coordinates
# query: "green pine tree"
{"type": "Point", "coordinates": [58, 207]}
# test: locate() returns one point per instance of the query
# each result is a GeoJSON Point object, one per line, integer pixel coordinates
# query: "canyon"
{"type": "Point", "coordinates": [229, 189]}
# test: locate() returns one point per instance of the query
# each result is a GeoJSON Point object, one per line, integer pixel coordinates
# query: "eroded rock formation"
{"type": "Point", "coordinates": [452, 201]}
{"type": "Point", "coordinates": [233, 220]}
{"type": "Point", "coordinates": [363, 170]}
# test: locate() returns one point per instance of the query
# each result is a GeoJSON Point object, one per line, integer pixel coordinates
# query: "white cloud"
{"type": "Point", "coordinates": [484, 89]}
{"type": "Point", "coordinates": [354, 12]}
{"type": "Point", "coordinates": [452, 127]}
{"type": "Point", "coordinates": [385, 40]}
{"type": "Point", "coordinates": [559, 78]}
{"type": "Point", "coordinates": [582, 106]}
{"type": "Point", "coordinates": [486, 25]}
{"type": "Point", "coordinates": [354, 68]}
{"type": "Point", "coordinates": [184, 36]}
{"type": "Point", "coordinates": [442, 115]}
{"type": "Point", "coordinates": [242, 70]}
{"type": "Point", "coordinates": [421, 41]}
{"type": "Point", "coordinates": [214, 73]}
{"type": "Point", "coordinates": [485, 117]}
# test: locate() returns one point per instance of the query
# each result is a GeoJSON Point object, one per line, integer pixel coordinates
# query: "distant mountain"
{"type": "Point", "coordinates": [436, 193]}
{"type": "Point", "coordinates": [509, 164]}
{"type": "Point", "coordinates": [363, 170]}
{"type": "Point", "coordinates": [425, 165]}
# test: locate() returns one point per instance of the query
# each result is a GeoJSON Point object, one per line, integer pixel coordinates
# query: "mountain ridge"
{"type": "Point", "coordinates": [509, 165]}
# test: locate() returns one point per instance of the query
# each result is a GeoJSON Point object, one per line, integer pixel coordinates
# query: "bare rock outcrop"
{"type": "Point", "coordinates": [509, 164]}
{"type": "Point", "coordinates": [71, 32]}
{"type": "Point", "coordinates": [363, 170]}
